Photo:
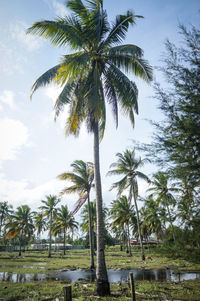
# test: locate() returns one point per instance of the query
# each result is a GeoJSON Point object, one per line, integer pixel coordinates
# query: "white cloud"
{"type": "Point", "coordinates": [13, 135]}
{"type": "Point", "coordinates": [18, 32]}
{"type": "Point", "coordinates": [21, 192]}
{"type": "Point", "coordinates": [7, 97]}
{"type": "Point", "coordinates": [11, 60]}
{"type": "Point", "coordinates": [58, 8]}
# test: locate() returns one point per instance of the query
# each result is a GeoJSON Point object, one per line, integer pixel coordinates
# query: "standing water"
{"type": "Point", "coordinates": [113, 276]}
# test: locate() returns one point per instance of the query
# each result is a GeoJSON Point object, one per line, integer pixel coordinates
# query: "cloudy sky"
{"type": "Point", "coordinates": [34, 149]}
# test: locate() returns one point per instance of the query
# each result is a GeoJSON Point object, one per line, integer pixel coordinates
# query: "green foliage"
{"type": "Point", "coordinates": [96, 67]}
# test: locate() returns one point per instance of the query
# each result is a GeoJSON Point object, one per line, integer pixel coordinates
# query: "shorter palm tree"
{"type": "Point", "coordinates": [40, 223]}
{"type": "Point", "coordinates": [127, 165]}
{"type": "Point", "coordinates": [88, 222]}
{"type": "Point", "coordinates": [64, 222]}
{"type": "Point", "coordinates": [21, 225]}
{"type": "Point", "coordinates": [5, 211]}
{"type": "Point", "coordinates": [151, 218]}
{"type": "Point", "coordinates": [82, 177]}
{"type": "Point", "coordinates": [123, 215]}
{"type": "Point", "coordinates": [163, 192]}
{"type": "Point", "coordinates": [48, 210]}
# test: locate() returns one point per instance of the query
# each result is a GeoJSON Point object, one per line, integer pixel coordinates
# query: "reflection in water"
{"type": "Point", "coordinates": [113, 276]}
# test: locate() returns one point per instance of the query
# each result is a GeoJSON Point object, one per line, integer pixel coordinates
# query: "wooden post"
{"type": "Point", "coordinates": [132, 287]}
{"type": "Point", "coordinates": [67, 293]}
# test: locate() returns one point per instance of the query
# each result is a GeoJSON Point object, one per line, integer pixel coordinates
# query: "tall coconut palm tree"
{"type": "Point", "coordinates": [48, 210]}
{"type": "Point", "coordinates": [63, 222]}
{"type": "Point", "coordinates": [82, 177]}
{"type": "Point", "coordinates": [123, 215]}
{"type": "Point", "coordinates": [5, 211]}
{"type": "Point", "coordinates": [163, 192]}
{"type": "Point", "coordinates": [94, 71]}
{"type": "Point", "coordinates": [127, 165]}
{"type": "Point", "coordinates": [21, 225]}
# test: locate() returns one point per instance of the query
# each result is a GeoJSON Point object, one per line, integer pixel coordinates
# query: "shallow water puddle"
{"type": "Point", "coordinates": [113, 276]}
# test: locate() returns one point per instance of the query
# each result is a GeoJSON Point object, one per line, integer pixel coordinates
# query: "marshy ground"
{"type": "Point", "coordinates": [159, 258]}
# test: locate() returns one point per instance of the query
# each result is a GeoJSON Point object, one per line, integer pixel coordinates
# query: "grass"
{"type": "Point", "coordinates": [159, 258]}
{"type": "Point", "coordinates": [40, 291]}
{"type": "Point", "coordinates": [35, 262]}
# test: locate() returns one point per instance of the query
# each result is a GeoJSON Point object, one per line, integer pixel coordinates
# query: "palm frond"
{"type": "Point", "coordinates": [119, 29]}
{"type": "Point", "coordinates": [45, 79]}
{"type": "Point", "coordinates": [126, 90]}
{"type": "Point", "coordinates": [62, 31]}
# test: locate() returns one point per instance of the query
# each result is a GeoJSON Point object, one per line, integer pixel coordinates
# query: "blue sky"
{"type": "Point", "coordinates": [34, 149]}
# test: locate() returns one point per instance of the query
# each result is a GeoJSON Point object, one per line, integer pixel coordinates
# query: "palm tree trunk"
{"type": "Point", "coordinates": [170, 220]}
{"type": "Point", "coordinates": [50, 235]}
{"type": "Point", "coordinates": [129, 241]}
{"type": "Point", "coordinates": [102, 284]}
{"type": "Point", "coordinates": [90, 235]}
{"type": "Point", "coordinates": [64, 240]}
{"type": "Point", "coordinates": [121, 243]}
{"type": "Point", "coordinates": [20, 247]}
{"type": "Point", "coordinates": [139, 229]}
{"type": "Point", "coordinates": [124, 239]}
{"type": "Point", "coordinates": [1, 223]}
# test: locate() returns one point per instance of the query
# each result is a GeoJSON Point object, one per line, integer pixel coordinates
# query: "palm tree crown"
{"type": "Point", "coordinates": [96, 69]}
{"type": "Point", "coordinates": [20, 224]}
{"type": "Point", "coordinates": [5, 211]}
{"type": "Point", "coordinates": [163, 191]}
{"type": "Point", "coordinates": [63, 222]}
{"type": "Point", "coordinates": [127, 166]}
{"type": "Point", "coordinates": [48, 210]}
{"type": "Point", "coordinates": [82, 176]}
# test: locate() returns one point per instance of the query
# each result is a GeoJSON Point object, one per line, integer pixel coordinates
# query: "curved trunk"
{"type": "Point", "coordinates": [102, 284]}
{"type": "Point", "coordinates": [139, 229]}
{"type": "Point", "coordinates": [90, 235]}
{"type": "Point", "coordinates": [50, 235]}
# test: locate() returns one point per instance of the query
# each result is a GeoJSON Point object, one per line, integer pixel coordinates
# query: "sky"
{"type": "Point", "coordinates": [34, 148]}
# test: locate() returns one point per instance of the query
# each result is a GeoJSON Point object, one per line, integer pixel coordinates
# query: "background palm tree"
{"type": "Point", "coordinates": [82, 177]}
{"type": "Point", "coordinates": [93, 71]}
{"type": "Point", "coordinates": [21, 225]}
{"type": "Point", "coordinates": [127, 165]}
{"type": "Point", "coordinates": [152, 218]}
{"type": "Point", "coordinates": [48, 209]}
{"type": "Point", "coordinates": [163, 192]}
{"type": "Point", "coordinates": [63, 222]}
{"type": "Point", "coordinates": [40, 223]}
{"type": "Point", "coordinates": [122, 214]}
{"type": "Point", "coordinates": [5, 211]}
{"type": "Point", "coordinates": [86, 224]}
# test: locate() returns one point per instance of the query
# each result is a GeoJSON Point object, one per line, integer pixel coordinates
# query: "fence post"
{"type": "Point", "coordinates": [67, 293]}
{"type": "Point", "coordinates": [132, 287]}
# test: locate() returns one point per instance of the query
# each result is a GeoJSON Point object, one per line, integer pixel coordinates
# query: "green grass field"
{"type": "Point", "coordinates": [35, 262]}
